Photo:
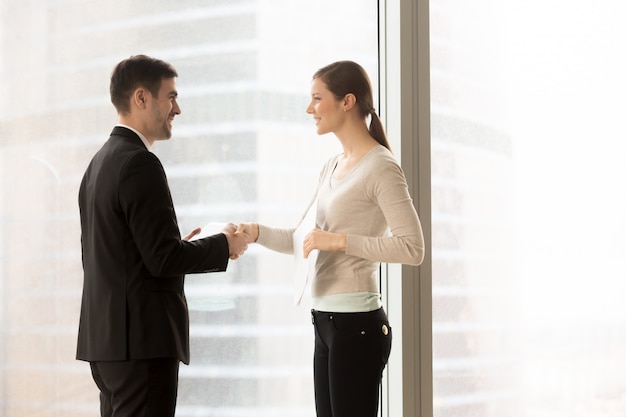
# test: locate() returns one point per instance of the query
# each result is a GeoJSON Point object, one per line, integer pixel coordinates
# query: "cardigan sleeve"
{"type": "Point", "coordinates": [386, 186]}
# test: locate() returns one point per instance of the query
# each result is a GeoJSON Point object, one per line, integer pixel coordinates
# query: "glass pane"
{"type": "Point", "coordinates": [528, 212]}
{"type": "Point", "coordinates": [243, 149]}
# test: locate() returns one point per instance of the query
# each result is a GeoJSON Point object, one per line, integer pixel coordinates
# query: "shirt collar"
{"type": "Point", "coordinates": [142, 137]}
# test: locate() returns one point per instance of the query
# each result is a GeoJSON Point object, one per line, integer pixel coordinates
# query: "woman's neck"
{"type": "Point", "coordinates": [355, 142]}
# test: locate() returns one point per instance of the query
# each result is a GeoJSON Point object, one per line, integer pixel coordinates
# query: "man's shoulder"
{"type": "Point", "coordinates": [123, 148]}
{"type": "Point", "coordinates": [124, 141]}
{"type": "Point", "coordinates": [121, 135]}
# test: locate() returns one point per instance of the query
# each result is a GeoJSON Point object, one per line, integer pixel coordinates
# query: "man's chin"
{"type": "Point", "coordinates": [167, 134]}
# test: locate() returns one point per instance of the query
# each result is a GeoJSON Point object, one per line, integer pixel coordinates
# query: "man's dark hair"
{"type": "Point", "coordinates": [134, 72]}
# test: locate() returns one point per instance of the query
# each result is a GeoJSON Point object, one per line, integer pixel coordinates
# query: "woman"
{"type": "Point", "coordinates": [364, 216]}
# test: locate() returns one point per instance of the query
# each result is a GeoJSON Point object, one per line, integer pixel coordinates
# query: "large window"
{"type": "Point", "coordinates": [507, 116]}
{"type": "Point", "coordinates": [528, 209]}
{"type": "Point", "coordinates": [243, 149]}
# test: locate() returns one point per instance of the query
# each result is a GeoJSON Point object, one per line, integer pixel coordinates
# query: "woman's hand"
{"type": "Point", "coordinates": [251, 230]}
{"type": "Point", "coordinates": [324, 241]}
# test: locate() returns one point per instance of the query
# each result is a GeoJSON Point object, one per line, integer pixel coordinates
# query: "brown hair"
{"type": "Point", "coordinates": [345, 77]}
{"type": "Point", "coordinates": [134, 72]}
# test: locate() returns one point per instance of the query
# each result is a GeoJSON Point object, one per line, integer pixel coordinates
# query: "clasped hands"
{"type": "Point", "coordinates": [315, 239]}
{"type": "Point", "coordinates": [240, 236]}
{"type": "Point", "coordinates": [237, 241]}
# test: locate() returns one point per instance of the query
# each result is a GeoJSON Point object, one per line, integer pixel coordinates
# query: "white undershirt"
{"type": "Point", "coordinates": [349, 302]}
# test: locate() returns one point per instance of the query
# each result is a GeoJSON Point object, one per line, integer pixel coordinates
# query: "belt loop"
{"type": "Point", "coordinates": [312, 316]}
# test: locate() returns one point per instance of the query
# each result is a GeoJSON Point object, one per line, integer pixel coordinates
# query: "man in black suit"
{"type": "Point", "coordinates": [134, 322]}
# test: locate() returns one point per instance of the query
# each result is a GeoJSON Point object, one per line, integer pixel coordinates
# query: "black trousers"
{"type": "Point", "coordinates": [351, 351]}
{"type": "Point", "coordinates": [141, 388]}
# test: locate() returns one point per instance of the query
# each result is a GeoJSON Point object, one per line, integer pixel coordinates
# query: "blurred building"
{"type": "Point", "coordinates": [243, 150]}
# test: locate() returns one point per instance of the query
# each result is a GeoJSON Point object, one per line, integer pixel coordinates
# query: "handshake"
{"type": "Point", "coordinates": [238, 237]}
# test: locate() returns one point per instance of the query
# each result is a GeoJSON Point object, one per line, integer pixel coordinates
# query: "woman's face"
{"type": "Point", "coordinates": [327, 111]}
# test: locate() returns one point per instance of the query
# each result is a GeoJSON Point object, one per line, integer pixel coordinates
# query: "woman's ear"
{"type": "Point", "coordinates": [349, 101]}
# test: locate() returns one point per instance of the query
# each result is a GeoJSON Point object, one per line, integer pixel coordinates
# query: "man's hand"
{"type": "Point", "coordinates": [192, 233]}
{"type": "Point", "coordinates": [237, 243]}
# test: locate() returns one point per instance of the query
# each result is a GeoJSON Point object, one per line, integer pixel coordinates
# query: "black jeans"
{"type": "Point", "coordinates": [351, 351]}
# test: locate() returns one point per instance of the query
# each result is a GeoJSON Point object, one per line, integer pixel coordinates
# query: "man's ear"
{"type": "Point", "coordinates": [139, 98]}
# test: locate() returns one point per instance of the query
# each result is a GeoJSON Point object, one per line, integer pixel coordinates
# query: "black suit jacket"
{"type": "Point", "coordinates": [134, 261]}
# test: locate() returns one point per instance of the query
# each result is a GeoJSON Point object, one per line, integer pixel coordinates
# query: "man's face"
{"type": "Point", "coordinates": [162, 110]}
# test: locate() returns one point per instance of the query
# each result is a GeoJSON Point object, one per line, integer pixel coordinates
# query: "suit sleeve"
{"type": "Point", "coordinates": [149, 210]}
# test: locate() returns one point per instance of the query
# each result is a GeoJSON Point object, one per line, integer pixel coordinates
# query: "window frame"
{"type": "Point", "coordinates": [405, 110]}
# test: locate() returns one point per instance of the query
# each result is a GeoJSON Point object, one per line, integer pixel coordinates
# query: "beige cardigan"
{"type": "Point", "coordinates": [372, 206]}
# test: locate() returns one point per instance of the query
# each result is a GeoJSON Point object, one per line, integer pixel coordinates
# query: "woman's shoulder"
{"type": "Point", "coordinates": [381, 156]}
{"type": "Point", "coordinates": [382, 168]}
